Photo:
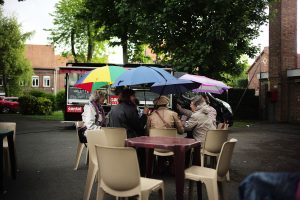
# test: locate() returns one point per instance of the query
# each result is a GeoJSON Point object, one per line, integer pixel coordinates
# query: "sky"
{"type": "Point", "coordinates": [34, 16]}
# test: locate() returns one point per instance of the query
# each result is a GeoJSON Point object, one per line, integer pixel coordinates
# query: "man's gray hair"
{"type": "Point", "coordinates": [197, 100]}
{"type": "Point", "coordinates": [96, 95]}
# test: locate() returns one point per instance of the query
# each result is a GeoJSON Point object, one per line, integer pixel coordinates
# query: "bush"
{"type": "Point", "coordinates": [44, 106]}
{"type": "Point", "coordinates": [52, 98]}
{"type": "Point", "coordinates": [60, 100]}
{"type": "Point", "coordinates": [28, 104]}
{"type": "Point", "coordinates": [39, 93]}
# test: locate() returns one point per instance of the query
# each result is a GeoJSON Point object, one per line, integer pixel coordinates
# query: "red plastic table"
{"type": "Point", "coordinates": [176, 144]}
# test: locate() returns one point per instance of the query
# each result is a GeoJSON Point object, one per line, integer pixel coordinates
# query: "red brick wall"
{"type": "Point", "coordinates": [283, 56]}
{"type": "Point", "coordinates": [261, 64]}
{"type": "Point", "coordinates": [44, 72]}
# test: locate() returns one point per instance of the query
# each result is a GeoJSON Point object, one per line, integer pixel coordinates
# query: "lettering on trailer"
{"type": "Point", "coordinates": [113, 100]}
{"type": "Point", "coordinates": [74, 109]}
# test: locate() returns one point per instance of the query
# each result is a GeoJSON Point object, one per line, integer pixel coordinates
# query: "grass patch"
{"type": "Point", "coordinates": [55, 116]}
{"type": "Point", "coordinates": [242, 123]}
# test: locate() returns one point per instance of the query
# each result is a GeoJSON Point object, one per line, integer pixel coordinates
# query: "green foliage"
{"type": "Point", "coordinates": [74, 32]}
{"type": "Point", "coordinates": [14, 67]}
{"type": "Point", "coordinates": [40, 93]}
{"type": "Point", "coordinates": [202, 37]}
{"type": "Point", "coordinates": [136, 54]}
{"type": "Point", "coordinates": [60, 100]}
{"type": "Point", "coordinates": [44, 106]}
{"type": "Point", "coordinates": [37, 93]}
{"type": "Point", "coordinates": [28, 104]}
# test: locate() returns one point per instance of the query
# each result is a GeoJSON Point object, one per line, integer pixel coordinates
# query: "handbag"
{"type": "Point", "coordinates": [82, 137]}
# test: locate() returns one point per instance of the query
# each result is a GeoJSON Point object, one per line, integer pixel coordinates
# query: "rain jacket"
{"type": "Point", "coordinates": [169, 116]}
{"type": "Point", "coordinates": [90, 118]}
{"type": "Point", "coordinates": [200, 122]}
{"type": "Point", "coordinates": [126, 115]}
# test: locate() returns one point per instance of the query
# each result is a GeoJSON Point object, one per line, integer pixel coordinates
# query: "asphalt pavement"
{"type": "Point", "coordinates": [46, 155]}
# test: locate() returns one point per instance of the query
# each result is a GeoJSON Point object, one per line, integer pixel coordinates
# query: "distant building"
{"type": "Point", "coordinates": [44, 63]}
{"type": "Point", "coordinates": [275, 73]}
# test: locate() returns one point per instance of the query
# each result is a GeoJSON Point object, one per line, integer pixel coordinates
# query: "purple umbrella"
{"type": "Point", "coordinates": [207, 84]}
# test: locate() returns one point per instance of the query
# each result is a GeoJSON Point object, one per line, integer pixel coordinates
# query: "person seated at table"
{"type": "Point", "coordinates": [200, 120]}
{"type": "Point", "coordinates": [163, 117]}
{"type": "Point", "coordinates": [93, 116]}
{"type": "Point", "coordinates": [125, 115]}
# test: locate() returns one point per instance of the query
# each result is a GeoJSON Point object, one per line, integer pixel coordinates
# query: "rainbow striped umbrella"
{"type": "Point", "coordinates": [99, 77]}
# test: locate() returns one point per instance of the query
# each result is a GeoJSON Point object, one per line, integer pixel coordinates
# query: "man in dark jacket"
{"type": "Point", "coordinates": [125, 115]}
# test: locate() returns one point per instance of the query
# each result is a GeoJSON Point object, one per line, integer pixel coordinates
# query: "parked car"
{"type": "Point", "coordinates": [9, 104]}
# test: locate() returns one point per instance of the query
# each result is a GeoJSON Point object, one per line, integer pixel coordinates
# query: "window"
{"type": "Point", "coordinates": [46, 81]}
{"type": "Point", "coordinates": [35, 81]}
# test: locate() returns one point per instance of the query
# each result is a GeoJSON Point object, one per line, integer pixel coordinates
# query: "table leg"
{"type": "Point", "coordinates": [197, 161]}
{"type": "Point", "coordinates": [149, 162]}
{"type": "Point", "coordinates": [12, 154]}
{"type": "Point", "coordinates": [1, 166]}
{"type": "Point", "coordinates": [179, 171]}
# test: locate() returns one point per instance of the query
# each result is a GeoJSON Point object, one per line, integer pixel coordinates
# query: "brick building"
{"type": "Point", "coordinates": [279, 86]}
{"type": "Point", "coordinates": [44, 62]}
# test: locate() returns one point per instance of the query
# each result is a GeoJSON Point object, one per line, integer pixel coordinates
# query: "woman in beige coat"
{"type": "Point", "coordinates": [202, 118]}
{"type": "Point", "coordinates": [163, 117]}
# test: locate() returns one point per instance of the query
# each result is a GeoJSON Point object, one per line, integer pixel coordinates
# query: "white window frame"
{"type": "Point", "coordinates": [37, 78]}
{"type": "Point", "coordinates": [45, 78]}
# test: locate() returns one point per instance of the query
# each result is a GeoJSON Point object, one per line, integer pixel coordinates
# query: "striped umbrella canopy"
{"type": "Point", "coordinates": [99, 77]}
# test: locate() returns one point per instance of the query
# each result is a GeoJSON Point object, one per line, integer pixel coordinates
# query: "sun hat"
{"type": "Point", "coordinates": [162, 100]}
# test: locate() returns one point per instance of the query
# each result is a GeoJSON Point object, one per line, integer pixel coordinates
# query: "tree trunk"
{"type": "Point", "coordinates": [90, 44]}
{"type": "Point", "coordinates": [73, 46]}
{"type": "Point", "coordinates": [5, 85]}
{"type": "Point", "coordinates": [124, 41]}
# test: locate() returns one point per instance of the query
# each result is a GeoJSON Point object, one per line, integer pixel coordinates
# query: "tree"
{"type": "Point", "coordinates": [75, 33]}
{"type": "Point", "coordinates": [116, 18]}
{"type": "Point", "coordinates": [15, 69]}
{"type": "Point", "coordinates": [207, 36]}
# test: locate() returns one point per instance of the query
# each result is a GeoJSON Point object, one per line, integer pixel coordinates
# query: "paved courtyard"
{"type": "Point", "coordinates": [46, 153]}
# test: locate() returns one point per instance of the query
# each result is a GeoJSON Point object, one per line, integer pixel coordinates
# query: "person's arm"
{"type": "Point", "coordinates": [89, 117]}
{"type": "Point", "coordinates": [183, 111]}
{"type": "Point", "coordinates": [191, 123]}
{"type": "Point", "coordinates": [178, 124]}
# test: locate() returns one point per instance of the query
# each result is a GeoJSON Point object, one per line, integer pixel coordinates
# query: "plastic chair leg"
{"type": "Point", "coordinates": [145, 195]}
{"type": "Point", "coordinates": [90, 181]}
{"type": "Point", "coordinates": [202, 159]}
{"type": "Point", "coordinates": [227, 176]}
{"type": "Point", "coordinates": [87, 157]}
{"type": "Point", "coordinates": [80, 147]}
{"type": "Point", "coordinates": [100, 193]}
{"type": "Point", "coordinates": [161, 193]}
{"type": "Point", "coordinates": [212, 189]}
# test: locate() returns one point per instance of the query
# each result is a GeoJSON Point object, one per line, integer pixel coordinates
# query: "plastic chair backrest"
{"type": "Point", "coordinates": [119, 167]}
{"type": "Point", "coordinates": [9, 126]}
{"type": "Point", "coordinates": [115, 137]}
{"type": "Point", "coordinates": [214, 140]}
{"type": "Point", "coordinates": [223, 126]}
{"type": "Point", "coordinates": [225, 157]}
{"type": "Point", "coordinates": [94, 137]}
{"type": "Point", "coordinates": [162, 132]}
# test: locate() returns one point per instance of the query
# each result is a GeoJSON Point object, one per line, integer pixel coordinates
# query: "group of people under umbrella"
{"type": "Point", "coordinates": [197, 121]}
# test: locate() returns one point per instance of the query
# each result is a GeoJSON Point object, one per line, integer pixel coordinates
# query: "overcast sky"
{"type": "Point", "coordinates": [34, 16]}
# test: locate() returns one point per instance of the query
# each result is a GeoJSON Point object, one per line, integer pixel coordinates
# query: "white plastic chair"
{"type": "Point", "coordinates": [213, 143]}
{"type": "Point", "coordinates": [163, 132]}
{"type": "Point", "coordinates": [12, 127]}
{"type": "Point", "coordinates": [103, 136]}
{"type": "Point", "coordinates": [209, 176]}
{"type": "Point", "coordinates": [120, 174]}
{"type": "Point", "coordinates": [80, 146]}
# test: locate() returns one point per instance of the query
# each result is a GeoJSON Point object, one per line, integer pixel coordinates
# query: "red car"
{"type": "Point", "coordinates": [9, 104]}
